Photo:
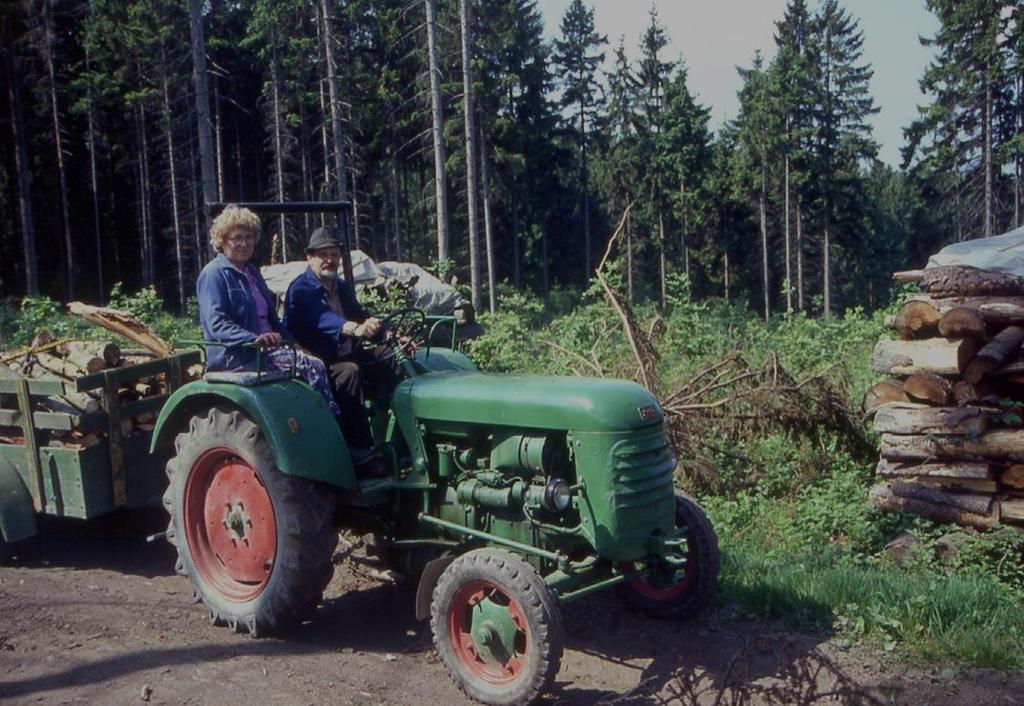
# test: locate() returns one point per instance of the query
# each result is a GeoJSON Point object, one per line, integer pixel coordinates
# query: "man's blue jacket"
{"type": "Point", "coordinates": [227, 313]}
{"type": "Point", "coordinates": [309, 319]}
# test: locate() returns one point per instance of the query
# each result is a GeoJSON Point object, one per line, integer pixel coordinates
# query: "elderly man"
{"type": "Point", "coordinates": [324, 316]}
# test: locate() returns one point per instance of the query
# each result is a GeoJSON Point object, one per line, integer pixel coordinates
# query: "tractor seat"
{"type": "Point", "coordinates": [248, 378]}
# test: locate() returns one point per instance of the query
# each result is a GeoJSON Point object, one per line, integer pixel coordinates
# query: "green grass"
{"type": "Point", "coordinates": [973, 620]}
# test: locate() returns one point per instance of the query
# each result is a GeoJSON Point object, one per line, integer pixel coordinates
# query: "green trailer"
{"type": "Point", "coordinates": [37, 478]}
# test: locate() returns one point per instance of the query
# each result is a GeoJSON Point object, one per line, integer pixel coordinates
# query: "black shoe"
{"type": "Point", "coordinates": [372, 466]}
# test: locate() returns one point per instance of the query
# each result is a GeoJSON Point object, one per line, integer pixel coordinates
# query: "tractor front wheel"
{"type": "Point", "coordinates": [255, 543]}
{"type": "Point", "coordinates": [683, 589]}
{"type": "Point", "coordinates": [496, 627]}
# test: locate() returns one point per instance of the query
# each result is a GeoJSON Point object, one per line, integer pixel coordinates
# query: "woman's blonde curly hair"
{"type": "Point", "coordinates": [230, 218]}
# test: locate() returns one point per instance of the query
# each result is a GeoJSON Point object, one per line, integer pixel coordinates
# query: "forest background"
{"type": "Point", "coordinates": [766, 246]}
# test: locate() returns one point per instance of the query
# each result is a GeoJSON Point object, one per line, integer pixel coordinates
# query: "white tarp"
{"type": "Point", "coordinates": [429, 293]}
{"type": "Point", "coordinates": [1002, 253]}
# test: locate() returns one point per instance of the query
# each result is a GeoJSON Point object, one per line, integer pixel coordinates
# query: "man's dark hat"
{"type": "Point", "coordinates": [322, 238]}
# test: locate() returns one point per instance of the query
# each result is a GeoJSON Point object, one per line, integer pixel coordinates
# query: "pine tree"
{"type": "Point", "coordinates": [578, 55]}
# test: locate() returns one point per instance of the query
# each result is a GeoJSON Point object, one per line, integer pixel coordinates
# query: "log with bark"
{"type": "Point", "coordinates": [883, 497]}
{"type": "Point", "coordinates": [886, 391]}
{"type": "Point", "coordinates": [999, 310]}
{"type": "Point", "coordinates": [109, 351]}
{"type": "Point", "coordinates": [1013, 476]}
{"type": "Point", "coordinates": [1012, 511]}
{"type": "Point", "coordinates": [911, 418]}
{"type": "Point", "coordinates": [999, 350]}
{"type": "Point", "coordinates": [917, 319]}
{"type": "Point", "coordinates": [928, 388]}
{"type": "Point", "coordinates": [960, 322]}
{"type": "Point", "coordinates": [949, 469]}
{"type": "Point", "coordinates": [958, 281]}
{"type": "Point", "coordinates": [123, 324]}
{"type": "Point", "coordinates": [957, 485]}
{"type": "Point", "coordinates": [967, 393]}
{"type": "Point", "coordinates": [935, 355]}
{"type": "Point", "coordinates": [996, 444]}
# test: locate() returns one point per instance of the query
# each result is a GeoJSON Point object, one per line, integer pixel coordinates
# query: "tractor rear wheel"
{"type": "Point", "coordinates": [665, 591]}
{"type": "Point", "coordinates": [255, 543]}
{"type": "Point", "coordinates": [496, 627]}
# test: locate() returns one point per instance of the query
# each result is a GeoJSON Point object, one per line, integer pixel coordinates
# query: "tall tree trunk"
{"type": "Point", "coordinates": [492, 285]}
{"type": "Point", "coordinates": [396, 187]}
{"type": "Point", "coordinates": [238, 160]}
{"type": "Point", "coordinates": [517, 279]}
{"type": "Point", "coordinates": [763, 213]}
{"type": "Point", "coordinates": [826, 260]}
{"type": "Point", "coordinates": [788, 253]}
{"type": "Point", "coordinates": [23, 167]}
{"type": "Point", "coordinates": [584, 185]}
{"type": "Point", "coordinates": [629, 258]}
{"type": "Point", "coordinates": [725, 266]}
{"type": "Point", "coordinates": [58, 143]}
{"type": "Point", "coordinates": [90, 122]}
{"type": "Point", "coordinates": [275, 89]}
{"type": "Point", "coordinates": [337, 133]}
{"type": "Point", "coordinates": [987, 160]}
{"type": "Point", "coordinates": [202, 97]}
{"type": "Point", "coordinates": [218, 131]}
{"type": "Point", "coordinates": [662, 257]}
{"type": "Point", "coordinates": [471, 158]}
{"type": "Point", "coordinates": [172, 163]}
{"type": "Point", "coordinates": [356, 237]}
{"type": "Point", "coordinates": [148, 239]}
{"type": "Point", "coordinates": [684, 246]}
{"type": "Point", "coordinates": [437, 116]}
{"type": "Point", "coordinates": [799, 255]}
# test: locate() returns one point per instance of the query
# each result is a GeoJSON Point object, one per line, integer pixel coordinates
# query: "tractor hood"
{"type": "Point", "coordinates": [571, 403]}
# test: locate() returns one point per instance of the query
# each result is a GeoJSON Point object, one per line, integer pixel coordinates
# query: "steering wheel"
{"type": "Point", "coordinates": [409, 323]}
{"type": "Point", "coordinates": [405, 330]}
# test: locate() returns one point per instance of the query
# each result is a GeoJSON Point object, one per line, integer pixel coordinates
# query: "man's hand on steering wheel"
{"type": "Point", "coordinates": [369, 329]}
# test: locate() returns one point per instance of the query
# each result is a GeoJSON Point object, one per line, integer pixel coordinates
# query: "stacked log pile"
{"type": "Point", "coordinates": [950, 412]}
{"type": "Point", "coordinates": [65, 361]}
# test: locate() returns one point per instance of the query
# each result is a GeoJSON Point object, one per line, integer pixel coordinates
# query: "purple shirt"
{"type": "Point", "coordinates": [262, 305]}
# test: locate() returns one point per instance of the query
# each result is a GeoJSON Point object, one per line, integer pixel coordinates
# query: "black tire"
{"type": "Point", "coordinates": [503, 593]}
{"type": "Point", "coordinates": [680, 595]}
{"type": "Point", "coordinates": [261, 568]}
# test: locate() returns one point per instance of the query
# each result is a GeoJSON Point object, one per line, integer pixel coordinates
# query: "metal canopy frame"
{"type": "Point", "coordinates": [339, 208]}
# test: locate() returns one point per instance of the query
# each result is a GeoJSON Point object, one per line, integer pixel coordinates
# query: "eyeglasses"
{"type": "Point", "coordinates": [239, 239]}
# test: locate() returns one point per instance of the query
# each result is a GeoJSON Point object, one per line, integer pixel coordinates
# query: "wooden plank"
{"type": "Point", "coordinates": [134, 372]}
{"type": "Point", "coordinates": [147, 404]}
{"type": "Point", "coordinates": [112, 405]}
{"type": "Point", "coordinates": [31, 446]}
{"type": "Point", "coordinates": [55, 421]}
{"type": "Point", "coordinates": [35, 387]}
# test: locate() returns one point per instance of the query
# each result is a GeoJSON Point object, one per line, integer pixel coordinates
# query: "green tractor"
{"type": "Point", "coordinates": [508, 496]}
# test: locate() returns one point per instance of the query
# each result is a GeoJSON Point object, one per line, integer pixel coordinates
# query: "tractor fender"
{"type": "Point", "coordinates": [302, 432]}
{"type": "Point", "coordinates": [428, 579]}
{"type": "Point", "coordinates": [17, 512]}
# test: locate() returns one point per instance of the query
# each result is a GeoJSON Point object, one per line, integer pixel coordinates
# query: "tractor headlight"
{"type": "Point", "coordinates": [557, 495]}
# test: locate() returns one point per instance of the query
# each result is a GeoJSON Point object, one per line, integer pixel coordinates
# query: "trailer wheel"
{"type": "Point", "coordinates": [496, 627]}
{"type": "Point", "coordinates": [663, 591]}
{"type": "Point", "coordinates": [255, 543]}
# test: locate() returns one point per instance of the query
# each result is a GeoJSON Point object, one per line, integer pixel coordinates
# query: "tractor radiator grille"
{"type": "Point", "coordinates": [642, 468]}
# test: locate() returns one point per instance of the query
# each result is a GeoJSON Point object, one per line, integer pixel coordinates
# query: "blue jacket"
{"type": "Point", "coordinates": [227, 313]}
{"type": "Point", "coordinates": [309, 319]}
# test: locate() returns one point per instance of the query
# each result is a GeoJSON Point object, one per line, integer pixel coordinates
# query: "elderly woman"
{"type": "Point", "coordinates": [236, 306]}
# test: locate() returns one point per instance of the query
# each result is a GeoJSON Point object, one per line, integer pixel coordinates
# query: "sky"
{"type": "Point", "coordinates": [716, 36]}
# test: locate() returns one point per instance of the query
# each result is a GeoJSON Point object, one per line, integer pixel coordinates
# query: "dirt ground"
{"type": "Point", "coordinates": [86, 617]}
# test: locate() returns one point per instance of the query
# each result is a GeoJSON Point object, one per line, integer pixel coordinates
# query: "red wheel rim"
{"type": "Point", "coordinates": [229, 525]}
{"type": "Point", "coordinates": [640, 582]}
{"type": "Point", "coordinates": [479, 657]}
